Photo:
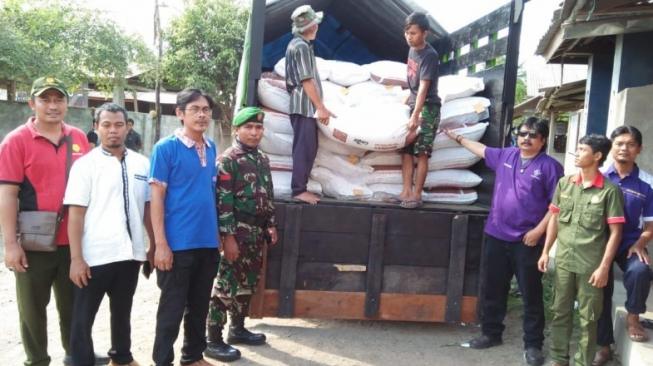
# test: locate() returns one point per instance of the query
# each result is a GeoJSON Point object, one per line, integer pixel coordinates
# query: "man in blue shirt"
{"type": "Point", "coordinates": [183, 178]}
{"type": "Point", "coordinates": [632, 256]}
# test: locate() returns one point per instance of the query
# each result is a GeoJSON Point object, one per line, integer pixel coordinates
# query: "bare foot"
{"type": "Point", "coordinates": [636, 332]}
{"type": "Point", "coordinates": [404, 195]}
{"type": "Point", "coordinates": [308, 197]}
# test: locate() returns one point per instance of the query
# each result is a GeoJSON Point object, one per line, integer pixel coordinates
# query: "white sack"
{"type": "Point", "coordinates": [382, 158]}
{"type": "Point", "coordinates": [473, 132]}
{"type": "Point", "coordinates": [276, 143]}
{"type": "Point", "coordinates": [438, 178]}
{"type": "Point", "coordinates": [342, 165]}
{"type": "Point", "coordinates": [347, 73]}
{"type": "Point", "coordinates": [452, 158]}
{"type": "Point", "coordinates": [280, 162]}
{"type": "Point", "coordinates": [272, 94]}
{"type": "Point", "coordinates": [323, 67]}
{"type": "Point", "coordinates": [281, 183]}
{"type": "Point", "coordinates": [452, 87]}
{"type": "Point", "coordinates": [388, 73]}
{"type": "Point", "coordinates": [464, 111]}
{"type": "Point", "coordinates": [339, 187]}
{"type": "Point", "coordinates": [277, 122]}
{"type": "Point", "coordinates": [337, 147]}
{"type": "Point", "coordinates": [439, 195]}
{"type": "Point", "coordinates": [373, 93]}
{"type": "Point", "coordinates": [370, 126]}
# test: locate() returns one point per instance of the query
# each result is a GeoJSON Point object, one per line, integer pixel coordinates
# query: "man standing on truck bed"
{"type": "Point", "coordinates": [424, 105]}
{"type": "Point", "coordinates": [526, 178]}
{"type": "Point", "coordinates": [303, 84]}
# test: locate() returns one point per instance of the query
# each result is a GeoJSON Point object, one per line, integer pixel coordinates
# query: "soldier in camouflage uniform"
{"type": "Point", "coordinates": [246, 208]}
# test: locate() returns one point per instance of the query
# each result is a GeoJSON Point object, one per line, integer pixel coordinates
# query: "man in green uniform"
{"type": "Point", "coordinates": [587, 219]}
{"type": "Point", "coordinates": [246, 216]}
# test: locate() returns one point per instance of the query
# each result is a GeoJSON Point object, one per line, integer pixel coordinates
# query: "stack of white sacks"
{"type": "Point", "coordinates": [358, 156]}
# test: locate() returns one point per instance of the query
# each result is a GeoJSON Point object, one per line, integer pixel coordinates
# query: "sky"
{"type": "Point", "coordinates": [136, 16]}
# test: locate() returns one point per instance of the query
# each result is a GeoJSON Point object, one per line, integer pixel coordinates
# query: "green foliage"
{"type": "Point", "coordinates": [205, 45]}
{"type": "Point", "coordinates": [60, 38]}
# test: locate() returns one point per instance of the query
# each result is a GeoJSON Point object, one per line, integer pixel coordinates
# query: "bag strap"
{"type": "Point", "coordinates": [69, 163]}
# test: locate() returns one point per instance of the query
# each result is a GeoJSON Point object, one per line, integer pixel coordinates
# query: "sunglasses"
{"type": "Point", "coordinates": [528, 133]}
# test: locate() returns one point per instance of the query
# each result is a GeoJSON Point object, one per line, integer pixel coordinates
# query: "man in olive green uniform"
{"type": "Point", "coordinates": [587, 222]}
{"type": "Point", "coordinates": [246, 216]}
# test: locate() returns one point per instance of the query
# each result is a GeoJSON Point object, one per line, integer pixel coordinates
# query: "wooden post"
{"type": "Point", "coordinates": [456, 275]}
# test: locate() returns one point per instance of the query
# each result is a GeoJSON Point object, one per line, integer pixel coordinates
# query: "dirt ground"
{"type": "Point", "coordinates": [290, 341]}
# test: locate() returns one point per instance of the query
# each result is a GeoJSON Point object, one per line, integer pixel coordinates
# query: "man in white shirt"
{"type": "Point", "coordinates": [108, 200]}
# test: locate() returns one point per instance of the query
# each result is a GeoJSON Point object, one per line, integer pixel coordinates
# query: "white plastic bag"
{"type": "Point", "coordinates": [389, 73]}
{"type": "Point", "coordinates": [459, 196]}
{"type": "Point", "coordinates": [347, 73]}
{"type": "Point", "coordinates": [438, 178]}
{"type": "Point", "coordinates": [277, 122]}
{"type": "Point", "coordinates": [281, 183]}
{"type": "Point", "coordinates": [340, 187]}
{"type": "Point", "coordinates": [272, 94]}
{"type": "Point", "coordinates": [323, 67]}
{"type": "Point", "coordinates": [473, 132]}
{"type": "Point", "coordinates": [345, 166]}
{"type": "Point", "coordinates": [280, 162]}
{"type": "Point", "coordinates": [382, 158]}
{"type": "Point", "coordinates": [370, 92]}
{"type": "Point", "coordinates": [452, 87]}
{"type": "Point", "coordinates": [337, 147]}
{"type": "Point", "coordinates": [276, 143]}
{"type": "Point", "coordinates": [378, 127]}
{"type": "Point", "coordinates": [452, 158]}
{"type": "Point", "coordinates": [464, 111]}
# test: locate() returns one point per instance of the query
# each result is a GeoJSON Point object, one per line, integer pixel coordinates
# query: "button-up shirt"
{"type": "Point", "coordinates": [583, 218]}
{"type": "Point", "coordinates": [638, 204]}
{"type": "Point", "coordinates": [300, 66]}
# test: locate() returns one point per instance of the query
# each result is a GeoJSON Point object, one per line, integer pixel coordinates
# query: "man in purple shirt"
{"type": "Point", "coordinates": [632, 256]}
{"type": "Point", "coordinates": [526, 178]}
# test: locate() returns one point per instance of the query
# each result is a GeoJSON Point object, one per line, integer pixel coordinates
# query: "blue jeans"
{"type": "Point", "coordinates": [637, 281]}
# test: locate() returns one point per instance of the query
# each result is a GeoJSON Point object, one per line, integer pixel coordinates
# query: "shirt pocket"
{"type": "Point", "coordinates": [566, 209]}
{"type": "Point", "coordinates": [592, 217]}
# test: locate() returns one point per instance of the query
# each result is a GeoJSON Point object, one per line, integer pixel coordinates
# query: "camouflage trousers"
{"type": "Point", "coordinates": [236, 281]}
{"type": "Point", "coordinates": [429, 121]}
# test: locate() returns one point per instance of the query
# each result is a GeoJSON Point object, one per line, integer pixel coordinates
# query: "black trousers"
{"type": "Point", "coordinates": [118, 280]}
{"type": "Point", "coordinates": [304, 150]}
{"type": "Point", "coordinates": [637, 281]}
{"type": "Point", "coordinates": [185, 293]}
{"type": "Point", "coordinates": [503, 260]}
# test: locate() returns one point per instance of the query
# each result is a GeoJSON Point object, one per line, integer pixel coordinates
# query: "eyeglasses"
{"type": "Point", "coordinates": [196, 110]}
{"type": "Point", "coordinates": [527, 133]}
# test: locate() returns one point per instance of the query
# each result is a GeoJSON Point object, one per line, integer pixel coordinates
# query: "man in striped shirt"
{"type": "Point", "coordinates": [303, 84]}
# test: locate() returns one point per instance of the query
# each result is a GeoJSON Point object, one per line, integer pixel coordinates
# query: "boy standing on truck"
{"type": "Point", "coordinates": [306, 103]}
{"type": "Point", "coordinates": [247, 222]}
{"type": "Point", "coordinates": [425, 108]}
{"type": "Point", "coordinates": [525, 180]}
{"type": "Point", "coordinates": [587, 221]}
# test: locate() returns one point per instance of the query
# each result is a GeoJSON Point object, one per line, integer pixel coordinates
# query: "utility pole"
{"type": "Point", "coordinates": [158, 41]}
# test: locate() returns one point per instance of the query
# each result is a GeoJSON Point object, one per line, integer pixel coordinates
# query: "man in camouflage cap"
{"type": "Point", "coordinates": [246, 208]}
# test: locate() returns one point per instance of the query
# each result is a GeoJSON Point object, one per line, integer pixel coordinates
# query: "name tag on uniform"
{"type": "Point", "coordinates": [140, 177]}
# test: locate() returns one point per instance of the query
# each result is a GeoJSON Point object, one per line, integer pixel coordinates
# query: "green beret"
{"type": "Point", "coordinates": [248, 114]}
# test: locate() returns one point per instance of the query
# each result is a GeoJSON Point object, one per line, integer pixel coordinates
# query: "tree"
{"type": "Point", "coordinates": [204, 48]}
{"type": "Point", "coordinates": [61, 38]}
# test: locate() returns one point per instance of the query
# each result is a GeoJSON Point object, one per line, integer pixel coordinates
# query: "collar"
{"type": "Point", "coordinates": [108, 153]}
{"type": "Point", "coordinates": [187, 141]}
{"type": "Point", "coordinates": [597, 182]}
{"type": "Point", "coordinates": [31, 126]}
{"type": "Point", "coordinates": [239, 146]}
{"type": "Point", "coordinates": [613, 171]}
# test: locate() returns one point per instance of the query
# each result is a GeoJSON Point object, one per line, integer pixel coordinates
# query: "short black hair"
{"type": "Point", "coordinates": [190, 95]}
{"type": "Point", "coordinates": [627, 130]}
{"type": "Point", "coordinates": [598, 143]}
{"type": "Point", "coordinates": [109, 107]}
{"type": "Point", "coordinates": [541, 126]}
{"type": "Point", "coordinates": [130, 120]}
{"type": "Point", "coordinates": [417, 18]}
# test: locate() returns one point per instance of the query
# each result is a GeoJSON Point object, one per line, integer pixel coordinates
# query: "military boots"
{"type": "Point", "coordinates": [238, 333]}
{"type": "Point", "coordinates": [217, 349]}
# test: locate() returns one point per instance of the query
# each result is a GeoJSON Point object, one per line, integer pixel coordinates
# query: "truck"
{"type": "Point", "coordinates": [372, 260]}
